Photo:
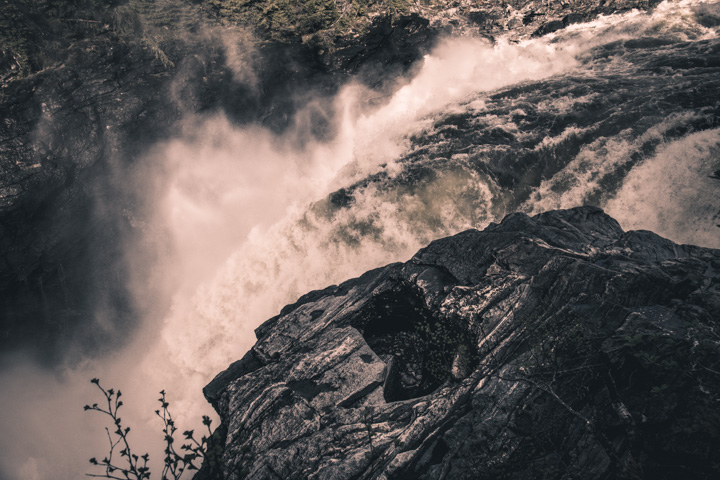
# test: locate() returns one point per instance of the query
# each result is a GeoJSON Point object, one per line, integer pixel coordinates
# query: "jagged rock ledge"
{"type": "Point", "coordinates": [554, 346]}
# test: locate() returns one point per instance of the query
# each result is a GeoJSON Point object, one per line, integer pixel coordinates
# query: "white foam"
{"type": "Point", "coordinates": [581, 179]}
{"type": "Point", "coordinates": [672, 193]}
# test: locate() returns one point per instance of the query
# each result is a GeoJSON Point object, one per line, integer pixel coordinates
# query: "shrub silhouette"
{"type": "Point", "coordinates": [131, 466]}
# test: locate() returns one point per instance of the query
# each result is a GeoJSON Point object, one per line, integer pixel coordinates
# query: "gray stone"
{"type": "Point", "coordinates": [554, 346]}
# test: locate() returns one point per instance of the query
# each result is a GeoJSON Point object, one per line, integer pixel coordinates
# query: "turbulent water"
{"type": "Point", "coordinates": [622, 112]}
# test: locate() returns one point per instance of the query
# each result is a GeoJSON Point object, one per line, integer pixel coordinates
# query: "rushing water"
{"type": "Point", "coordinates": [622, 112]}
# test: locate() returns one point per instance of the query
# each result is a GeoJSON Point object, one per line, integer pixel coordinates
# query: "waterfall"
{"type": "Point", "coordinates": [619, 112]}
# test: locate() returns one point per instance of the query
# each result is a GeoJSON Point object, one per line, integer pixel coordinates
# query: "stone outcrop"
{"type": "Point", "coordinates": [553, 346]}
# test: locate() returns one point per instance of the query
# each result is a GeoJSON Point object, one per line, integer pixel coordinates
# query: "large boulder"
{"type": "Point", "coordinates": [553, 346]}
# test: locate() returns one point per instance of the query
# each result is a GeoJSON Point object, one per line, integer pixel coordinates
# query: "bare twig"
{"type": "Point", "coordinates": [175, 463]}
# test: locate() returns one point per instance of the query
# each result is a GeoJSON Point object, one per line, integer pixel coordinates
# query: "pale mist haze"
{"type": "Point", "coordinates": [235, 223]}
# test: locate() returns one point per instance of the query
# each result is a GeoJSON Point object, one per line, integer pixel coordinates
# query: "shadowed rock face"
{"type": "Point", "coordinates": [548, 346]}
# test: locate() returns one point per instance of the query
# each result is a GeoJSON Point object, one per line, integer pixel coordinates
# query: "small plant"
{"type": "Point", "coordinates": [131, 466]}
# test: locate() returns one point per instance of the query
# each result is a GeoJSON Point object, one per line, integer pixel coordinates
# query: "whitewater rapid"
{"type": "Point", "coordinates": [396, 206]}
{"type": "Point", "coordinates": [606, 113]}
{"type": "Point", "coordinates": [389, 183]}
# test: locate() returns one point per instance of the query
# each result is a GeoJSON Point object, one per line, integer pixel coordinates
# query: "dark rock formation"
{"type": "Point", "coordinates": [554, 346]}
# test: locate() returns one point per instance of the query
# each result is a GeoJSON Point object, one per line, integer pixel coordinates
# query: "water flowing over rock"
{"type": "Point", "coordinates": [553, 346]}
{"type": "Point", "coordinates": [81, 113]}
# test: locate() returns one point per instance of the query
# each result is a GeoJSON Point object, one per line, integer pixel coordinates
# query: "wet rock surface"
{"type": "Point", "coordinates": [553, 346]}
{"type": "Point", "coordinates": [92, 99]}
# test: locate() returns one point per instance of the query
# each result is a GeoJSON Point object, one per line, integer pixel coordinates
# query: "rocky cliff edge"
{"type": "Point", "coordinates": [554, 346]}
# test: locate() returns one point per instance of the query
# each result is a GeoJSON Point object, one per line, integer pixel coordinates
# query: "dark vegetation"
{"type": "Point", "coordinates": [124, 463]}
